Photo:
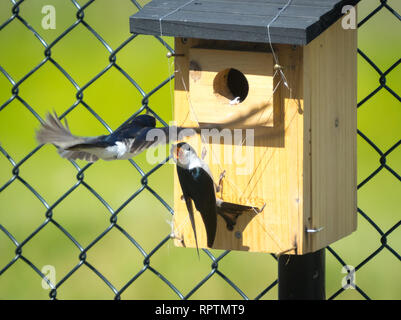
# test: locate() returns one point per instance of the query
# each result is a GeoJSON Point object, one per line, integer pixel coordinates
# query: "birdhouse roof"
{"type": "Point", "coordinates": [298, 22]}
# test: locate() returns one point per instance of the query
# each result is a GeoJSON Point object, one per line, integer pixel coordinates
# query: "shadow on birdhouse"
{"type": "Point", "coordinates": [299, 100]}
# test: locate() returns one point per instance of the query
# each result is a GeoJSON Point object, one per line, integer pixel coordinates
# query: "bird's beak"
{"type": "Point", "coordinates": [175, 152]}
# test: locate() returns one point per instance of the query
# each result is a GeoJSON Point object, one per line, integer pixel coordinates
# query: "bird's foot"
{"type": "Point", "coordinates": [204, 153]}
{"type": "Point", "coordinates": [219, 187]}
{"type": "Point", "coordinates": [222, 176]}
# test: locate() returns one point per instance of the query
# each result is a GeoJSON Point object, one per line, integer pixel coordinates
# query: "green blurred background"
{"type": "Point", "coordinates": [115, 99]}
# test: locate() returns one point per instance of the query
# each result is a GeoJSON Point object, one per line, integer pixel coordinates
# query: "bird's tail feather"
{"type": "Point", "coordinates": [53, 131]}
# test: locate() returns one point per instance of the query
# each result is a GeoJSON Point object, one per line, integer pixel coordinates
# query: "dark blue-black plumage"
{"type": "Point", "coordinates": [130, 139]}
{"type": "Point", "coordinates": [198, 186]}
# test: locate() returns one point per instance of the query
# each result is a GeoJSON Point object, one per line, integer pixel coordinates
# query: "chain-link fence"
{"type": "Point", "coordinates": [20, 249]}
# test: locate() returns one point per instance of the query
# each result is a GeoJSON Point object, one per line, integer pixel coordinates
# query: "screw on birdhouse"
{"type": "Point", "coordinates": [238, 234]}
{"type": "Point", "coordinates": [171, 54]}
{"type": "Point", "coordinates": [184, 40]}
{"type": "Point", "coordinates": [314, 230]}
{"type": "Point", "coordinates": [277, 67]}
{"type": "Point", "coordinates": [336, 123]}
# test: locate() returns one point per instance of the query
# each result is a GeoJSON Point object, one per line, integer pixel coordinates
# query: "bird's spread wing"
{"type": "Point", "coordinates": [141, 121]}
{"type": "Point", "coordinates": [197, 185]}
{"type": "Point", "coordinates": [133, 127]}
{"type": "Point", "coordinates": [138, 133]}
{"type": "Point", "coordinates": [152, 137]}
{"type": "Point", "coordinates": [74, 155]}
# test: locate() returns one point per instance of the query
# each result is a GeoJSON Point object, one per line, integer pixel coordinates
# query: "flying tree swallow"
{"type": "Point", "coordinates": [126, 142]}
{"type": "Point", "coordinates": [198, 187]}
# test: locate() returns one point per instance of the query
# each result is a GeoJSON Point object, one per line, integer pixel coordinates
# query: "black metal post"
{"type": "Point", "coordinates": [302, 277]}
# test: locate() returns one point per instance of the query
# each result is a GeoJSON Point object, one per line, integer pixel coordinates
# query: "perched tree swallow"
{"type": "Point", "coordinates": [127, 141]}
{"type": "Point", "coordinates": [198, 186]}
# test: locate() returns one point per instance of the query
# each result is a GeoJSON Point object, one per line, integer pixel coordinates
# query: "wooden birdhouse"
{"type": "Point", "coordinates": [288, 71]}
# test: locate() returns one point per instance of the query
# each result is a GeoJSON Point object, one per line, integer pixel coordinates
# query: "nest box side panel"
{"type": "Point", "coordinates": [275, 174]}
{"type": "Point", "coordinates": [330, 64]}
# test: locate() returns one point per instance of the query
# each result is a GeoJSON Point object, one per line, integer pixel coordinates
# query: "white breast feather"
{"type": "Point", "coordinates": [118, 151]}
{"type": "Point", "coordinates": [121, 149]}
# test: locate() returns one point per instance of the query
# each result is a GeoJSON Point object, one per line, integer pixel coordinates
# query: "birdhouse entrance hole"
{"type": "Point", "coordinates": [231, 84]}
{"type": "Point", "coordinates": [226, 84]}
